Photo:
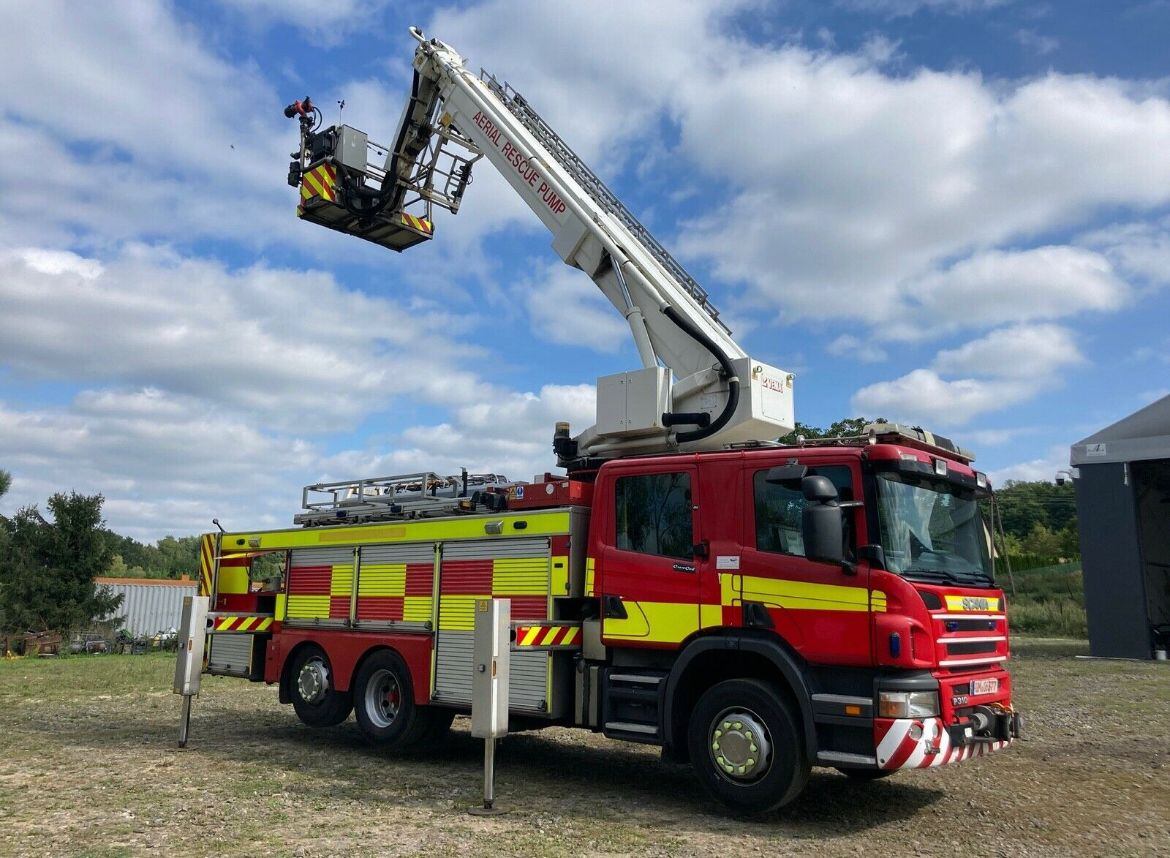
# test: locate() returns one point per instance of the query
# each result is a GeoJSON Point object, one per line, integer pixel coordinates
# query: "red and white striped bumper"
{"type": "Point", "coordinates": [922, 743]}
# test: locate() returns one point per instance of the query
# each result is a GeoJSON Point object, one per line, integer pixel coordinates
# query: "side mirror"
{"type": "Point", "coordinates": [818, 489]}
{"type": "Point", "coordinates": [790, 473]}
{"type": "Point", "coordinates": [875, 554]}
{"type": "Point", "coordinates": [821, 522]}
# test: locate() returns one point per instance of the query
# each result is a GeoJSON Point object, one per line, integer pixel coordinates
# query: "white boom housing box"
{"type": "Point", "coordinates": [632, 403]}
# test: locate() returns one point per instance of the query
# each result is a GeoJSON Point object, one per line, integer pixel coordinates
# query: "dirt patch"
{"type": "Point", "coordinates": [88, 766]}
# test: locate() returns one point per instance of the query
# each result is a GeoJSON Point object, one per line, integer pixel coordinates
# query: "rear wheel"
{"type": "Point", "coordinates": [314, 698]}
{"type": "Point", "coordinates": [383, 699]}
{"type": "Point", "coordinates": [746, 746]}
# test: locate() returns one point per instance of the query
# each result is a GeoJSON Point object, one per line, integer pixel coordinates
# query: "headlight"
{"type": "Point", "coordinates": [908, 704]}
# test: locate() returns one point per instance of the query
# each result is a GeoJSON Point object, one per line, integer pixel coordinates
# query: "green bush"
{"type": "Point", "coordinates": [1048, 600]}
{"type": "Point", "coordinates": [1021, 562]}
{"type": "Point", "coordinates": [1056, 619]}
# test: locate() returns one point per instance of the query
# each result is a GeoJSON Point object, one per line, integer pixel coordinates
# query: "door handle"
{"type": "Point", "coordinates": [613, 608]}
{"type": "Point", "coordinates": [702, 550]}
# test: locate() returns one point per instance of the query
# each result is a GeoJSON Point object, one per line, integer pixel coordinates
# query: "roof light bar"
{"type": "Point", "coordinates": [919, 438]}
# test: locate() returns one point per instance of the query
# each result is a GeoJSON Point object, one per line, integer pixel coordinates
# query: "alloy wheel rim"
{"type": "Point", "coordinates": [383, 698]}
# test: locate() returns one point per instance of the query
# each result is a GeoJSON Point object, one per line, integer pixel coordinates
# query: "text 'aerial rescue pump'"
{"type": "Point", "coordinates": [754, 608]}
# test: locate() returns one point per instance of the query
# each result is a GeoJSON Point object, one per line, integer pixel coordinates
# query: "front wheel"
{"type": "Point", "coordinates": [746, 746]}
{"type": "Point", "coordinates": [315, 700]}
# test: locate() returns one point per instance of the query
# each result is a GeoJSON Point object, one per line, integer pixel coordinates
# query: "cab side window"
{"type": "Point", "coordinates": [779, 506]}
{"type": "Point", "coordinates": [654, 514]}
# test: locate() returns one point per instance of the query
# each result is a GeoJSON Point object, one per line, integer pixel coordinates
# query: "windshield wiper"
{"type": "Point", "coordinates": [933, 575]}
{"type": "Point", "coordinates": [977, 579]}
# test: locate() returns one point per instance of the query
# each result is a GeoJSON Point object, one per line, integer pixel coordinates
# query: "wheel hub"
{"type": "Point", "coordinates": [740, 746]}
{"type": "Point", "coordinates": [313, 681]}
{"type": "Point", "coordinates": [383, 698]}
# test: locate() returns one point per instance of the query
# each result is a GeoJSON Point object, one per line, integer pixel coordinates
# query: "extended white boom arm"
{"type": "Point", "coordinates": [717, 395]}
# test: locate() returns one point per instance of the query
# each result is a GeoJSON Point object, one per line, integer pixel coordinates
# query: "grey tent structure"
{"type": "Point", "coordinates": [1123, 510]}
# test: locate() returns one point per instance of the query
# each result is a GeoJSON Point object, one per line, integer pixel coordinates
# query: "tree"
{"type": "Point", "coordinates": [1042, 541]}
{"type": "Point", "coordinates": [840, 429]}
{"type": "Point", "coordinates": [172, 557]}
{"type": "Point", "coordinates": [47, 569]}
{"type": "Point", "coordinates": [179, 555]}
{"type": "Point", "coordinates": [1023, 505]}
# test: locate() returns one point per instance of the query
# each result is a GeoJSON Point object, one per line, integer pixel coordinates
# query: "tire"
{"type": "Point", "coordinates": [731, 762]}
{"type": "Point", "coordinates": [310, 685]}
{"type": "Point", "coordinates": [864, 776]}
{"type": "Point", "coordinates": [383, 701]}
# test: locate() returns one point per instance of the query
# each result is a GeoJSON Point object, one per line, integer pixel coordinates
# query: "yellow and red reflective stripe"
{"type": "Point", "coordinates": [547, 635]}
{"type": "Point", "coordinates": [421, 224]}
{"type": "Point", "coordinates": [319, 182]}
{"type": "Point", "coordinates": [254, 625]}
{"type": "Point", "coordinates": [206, 563]}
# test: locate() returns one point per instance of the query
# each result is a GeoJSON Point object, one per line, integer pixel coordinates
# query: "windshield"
{"type": "Point", "coordinates": [932, 531]}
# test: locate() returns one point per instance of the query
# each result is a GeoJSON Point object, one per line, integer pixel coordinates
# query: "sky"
{"type": "Point", "coordinates": [954, 213]}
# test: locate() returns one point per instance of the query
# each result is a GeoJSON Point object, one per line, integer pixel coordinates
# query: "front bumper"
{"type": "Point", "coordinates": [923, 743]}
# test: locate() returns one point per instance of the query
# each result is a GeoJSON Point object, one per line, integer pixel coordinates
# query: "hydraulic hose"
{"type": "Point", "coordinates": [728, 371]}
{"type": "Point", "coordinates": [392, 169]}
{"type": "Point", "coordinates": [386, 196]}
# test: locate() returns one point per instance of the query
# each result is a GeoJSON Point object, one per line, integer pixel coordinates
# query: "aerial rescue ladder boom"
{"type": "Point", "coordinates": [697, 389]}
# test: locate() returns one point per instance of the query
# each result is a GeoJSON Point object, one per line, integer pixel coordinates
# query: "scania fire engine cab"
{"type": "Point", "coordinates": [752, 607]}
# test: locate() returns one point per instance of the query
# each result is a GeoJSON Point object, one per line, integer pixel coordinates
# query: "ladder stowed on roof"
{"type": "Point", "coordinates": [417, 495]}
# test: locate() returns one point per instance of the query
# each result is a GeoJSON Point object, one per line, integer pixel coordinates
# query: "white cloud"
{"type": "Point", "coordinates": [1000, 286]}
{"type": "Point", "coordinates": [290, 347]}
{"type": "Point", "coordinates": [856, 348]}
{"type": "Point", "coordinates": [510, 433]}
{"type": "Point", "coordinates": [170, 463]}
{"type": "Point", "coordinates": [214, 392]}
{"type": "Point", "coordinates": [979, 438]}
{"type": "Point", "coordinates": [856, 192]}
{"type": "Point", "coordinates": [1041, 468]}
{"type": "Point", "coordinates": [1037, 42]}
{"type": "Point", "coordinates": [1004, 368]}
{"type": "Point", "coordinates": [598, 100]}
{"type": "Point", "coordinates": [566, 307]}
{"type": "Point", "coordinates": [1140, 249]}
{"type": "Point", "coordinates": [165, 464]}
{"type": "Point", "coordinates": [132, 125]}
{"type": "Point", "coordinates": [857, 187]}
{"type": "Point", "coordinates": [922, 396]}
{"type": "Point", "coordinates": [1019, 351]}
{"type": "Point", "coordinates": [906, 8]}
{"type": "Point", "coordinates": [324, 21]}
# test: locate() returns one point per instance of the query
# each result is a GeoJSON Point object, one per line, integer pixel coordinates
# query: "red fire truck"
{"type": "Point", "coordinates": [752, 607]}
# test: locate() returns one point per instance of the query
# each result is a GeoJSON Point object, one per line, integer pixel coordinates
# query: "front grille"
{"type": "Point", "coordinates": [963, 648]}
{"type": "Point", "coordinates": [971, 625]}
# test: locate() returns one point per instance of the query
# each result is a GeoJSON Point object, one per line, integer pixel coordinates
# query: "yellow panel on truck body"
{"type": "Point", "coordinates": [538, 523]}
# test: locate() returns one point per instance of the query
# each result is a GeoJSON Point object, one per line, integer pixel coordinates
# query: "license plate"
{"type": "Point", "coordinates": [984, 686]}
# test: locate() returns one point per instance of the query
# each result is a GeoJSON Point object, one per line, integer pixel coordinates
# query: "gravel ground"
{"type": "Point", "coordinates": [88, 766]}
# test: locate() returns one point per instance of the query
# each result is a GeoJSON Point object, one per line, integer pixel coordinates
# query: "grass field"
{"type": "Point", "coordinates": [88, 766]}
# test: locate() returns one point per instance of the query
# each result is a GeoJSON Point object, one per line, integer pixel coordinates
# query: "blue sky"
{"type": "Point", "coordinates": [953, 212]}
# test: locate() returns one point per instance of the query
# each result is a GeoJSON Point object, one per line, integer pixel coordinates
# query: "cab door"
{"type": "Point", "coordinates": [648, 571]}
{"type": "Point", "coordinates": [820, 609]}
